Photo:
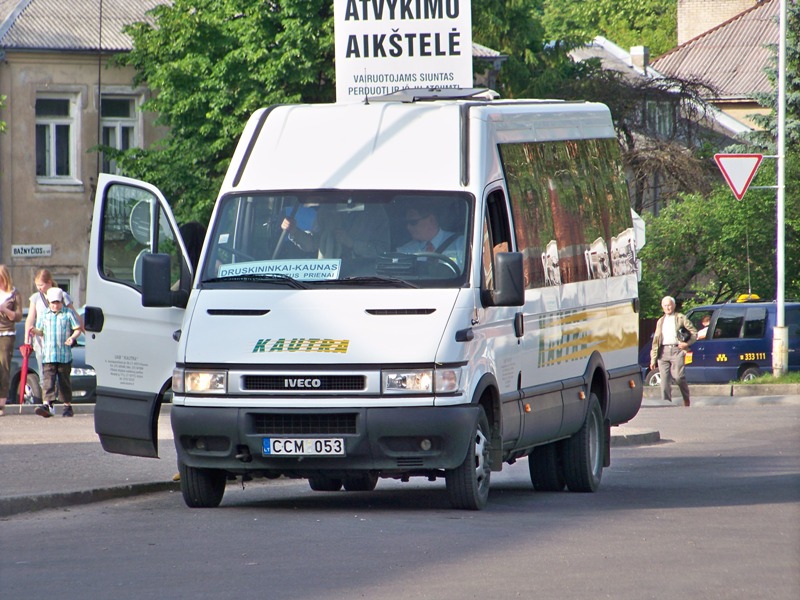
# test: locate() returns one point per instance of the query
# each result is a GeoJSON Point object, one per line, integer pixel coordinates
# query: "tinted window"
{"type": "Point", "coordinates": [755, 323]}
{"type": "Point", "coordinates": [729, 323]}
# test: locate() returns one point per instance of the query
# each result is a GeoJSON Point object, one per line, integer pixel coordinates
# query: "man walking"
{"type": "Point", "coordinates": [674, 335]}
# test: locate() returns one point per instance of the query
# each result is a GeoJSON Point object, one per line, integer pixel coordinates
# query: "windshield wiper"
{"type": "Point", "coordinates": [271, 277]}
{"type": "Point", "coordinates": [378, 281]}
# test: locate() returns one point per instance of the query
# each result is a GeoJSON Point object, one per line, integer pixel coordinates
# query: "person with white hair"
{"type": "Point", "coordinates": [673, 337]}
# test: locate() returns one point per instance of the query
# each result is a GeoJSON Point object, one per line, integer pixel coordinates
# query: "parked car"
{"type": "Point", "coordinates": [84, 381]}
{"type": "Point", "coordinates": [737, 345]}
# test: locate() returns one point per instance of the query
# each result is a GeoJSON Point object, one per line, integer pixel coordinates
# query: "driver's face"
{"type": "Point", "coordinates": [422, 229]}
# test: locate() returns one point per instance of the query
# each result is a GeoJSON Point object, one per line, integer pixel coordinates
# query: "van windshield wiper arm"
{"type": "Point", "coordinates": [267, 277]}
{"type": "Point", "coordinates": [378, 281]}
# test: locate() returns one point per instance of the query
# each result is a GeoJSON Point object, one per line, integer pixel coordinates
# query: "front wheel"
{"type": "Point", "coordinates": [202, 488]}
{"type": "Point", "coordinates": [468, 484]}
{"type": "Point", "coordinates": [653, 378]}
{"type": "Point", "coordinates": [325, 484]}
{"type": "Point", "coordinates": [583, 452]}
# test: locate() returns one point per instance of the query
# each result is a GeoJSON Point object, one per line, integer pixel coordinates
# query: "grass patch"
{"type": "Point", "coordinates": [769, 379]}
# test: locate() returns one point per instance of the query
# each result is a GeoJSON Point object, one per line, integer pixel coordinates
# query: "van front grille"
{"type": "Point", "coordinates": [304, 383]}
{"type": "Point", "coordinates": [293, 424]}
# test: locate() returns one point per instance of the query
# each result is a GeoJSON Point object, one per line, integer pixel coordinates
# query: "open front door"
{"type": "Point", "coordinates": [131, 347]}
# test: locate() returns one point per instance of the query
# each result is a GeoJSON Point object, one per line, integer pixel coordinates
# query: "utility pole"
{"type": "Point", "coordinates": [780, 345]}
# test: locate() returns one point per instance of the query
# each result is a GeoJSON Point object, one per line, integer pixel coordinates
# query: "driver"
{"type": "Point", "coordinates": [428, 236]}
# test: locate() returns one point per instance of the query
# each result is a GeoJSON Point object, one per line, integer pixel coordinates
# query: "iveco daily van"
{"type": "Point", "coordinates": [429, 284]}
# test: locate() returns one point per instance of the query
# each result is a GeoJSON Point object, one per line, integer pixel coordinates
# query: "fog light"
{"type": "Point", "coordinates": [425, 444]}
{"type": "Point", "coordinates": [200, 444]}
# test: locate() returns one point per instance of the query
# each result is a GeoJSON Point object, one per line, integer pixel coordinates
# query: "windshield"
{"type": "Point", "coordinates": [341, 238]}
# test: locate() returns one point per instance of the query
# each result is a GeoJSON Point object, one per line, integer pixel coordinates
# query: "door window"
{"type": "Point", "coordinates": [134, 225]}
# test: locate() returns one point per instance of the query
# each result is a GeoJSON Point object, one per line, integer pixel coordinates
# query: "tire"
{"type": "Point", "coordinates": [652, 379]}
{"type": "Point", "coordinates": [364, 482]}
{"type": "Point", "coordinates": [202, 488]}
{"type": "Point", "coordinates": [325, 484]}
{"type": "Point", "coordinates": [583, 452]}
{"type": "Point", "coordinates": [468, 484]}
{"type": "Point", "coordinates": [750, 373]}
{"type": "Point", "coordinates": [546, 469]}
{"type": "Point", "coordinates": [33, 390]}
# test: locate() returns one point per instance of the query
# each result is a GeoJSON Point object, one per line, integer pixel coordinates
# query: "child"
{"type": "Point", "coordinates": [60, 329]}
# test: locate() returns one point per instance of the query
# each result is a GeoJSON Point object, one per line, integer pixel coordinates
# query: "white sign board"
{"type": "Point", "coordinates": [383, 46]}
{"type": "Point", "coordinates": [738, 170]}
{"type": "Point", "coordinates": [31, 250]}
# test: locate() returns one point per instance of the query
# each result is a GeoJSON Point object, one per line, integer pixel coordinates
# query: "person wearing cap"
{"type": "Point", "coordinates": [59, 329]}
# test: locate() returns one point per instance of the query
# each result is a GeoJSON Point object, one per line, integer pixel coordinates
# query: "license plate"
{"type": "Point", "coordinates": [303, 446]}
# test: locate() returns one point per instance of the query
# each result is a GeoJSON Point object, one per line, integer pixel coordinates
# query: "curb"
{"type": "Point", "coordinates": [631, 436]}
{"type": "Point", "coordinates": [26, 504]}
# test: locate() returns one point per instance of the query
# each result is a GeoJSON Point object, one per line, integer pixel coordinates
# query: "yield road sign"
{"type": "Point", "coordinates": [738, 170]}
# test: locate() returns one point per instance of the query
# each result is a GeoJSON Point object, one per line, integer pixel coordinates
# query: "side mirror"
{"type": "Point", "coordinates": [509, 280]}
{"type": "Point", "coordinates": [156, 280]}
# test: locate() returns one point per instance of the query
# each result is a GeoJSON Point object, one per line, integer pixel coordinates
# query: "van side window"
{"type": "Point", "coordinates": [755, 322]}
{"type": "Point", "coordinates": [496, 236]}
{"type": "Point", "coordinates": [729, 323]}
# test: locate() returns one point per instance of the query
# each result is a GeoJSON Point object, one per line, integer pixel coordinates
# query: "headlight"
{"type": "Point", "coordinates": [422, 381]}
{"type": "Point", "coordinates": [407, 382]}
{"type": "Point", "coordinates": [187, 381]}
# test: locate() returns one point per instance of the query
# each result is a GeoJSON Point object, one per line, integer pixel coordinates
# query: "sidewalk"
{"type": "Point", "coordinates": [57, 462]}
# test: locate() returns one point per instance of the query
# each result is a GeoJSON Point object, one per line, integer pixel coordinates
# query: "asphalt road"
{"type": "Point", "coordinates": [711, 511]}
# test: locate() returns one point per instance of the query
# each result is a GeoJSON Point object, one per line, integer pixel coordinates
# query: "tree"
{"type": "Point", "coordinates": [212, 63]}
{"type": "Point", "coordinates": [651, 23]}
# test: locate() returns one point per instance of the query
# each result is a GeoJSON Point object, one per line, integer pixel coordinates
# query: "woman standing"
{"type": "Point", "coordinates": [10, 315]}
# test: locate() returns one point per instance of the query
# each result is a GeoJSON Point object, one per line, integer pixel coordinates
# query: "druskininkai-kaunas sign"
{"type": "Point", "coordinates": [383, 46]}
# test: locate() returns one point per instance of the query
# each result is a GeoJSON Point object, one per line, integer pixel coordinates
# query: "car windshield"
{"type": "Point", "coordinates": [340, 239]}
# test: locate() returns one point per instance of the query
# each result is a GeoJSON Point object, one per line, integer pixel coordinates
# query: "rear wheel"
{"type": "Point", "coordinates": [545, 466]}
{"type": "Point", "coordinates": [750, 373]}
{"type": "Point", "coordinates": [468, 484]}
{"type": "Point", "coordinates": [363, 482]}
{"type": "Point", "coordinates": [325, 484]}
{"type": "Point", "coordinates": [583, 452]}
{"type": "Point", "coordinates": [202, 488]}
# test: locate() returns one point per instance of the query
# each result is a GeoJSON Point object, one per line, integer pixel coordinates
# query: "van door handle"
{"type": "Point", "coordinates": [93, 319]}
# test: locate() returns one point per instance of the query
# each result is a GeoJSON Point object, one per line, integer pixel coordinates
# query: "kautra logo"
{"type": "Point", "coordinates": [301, 345]}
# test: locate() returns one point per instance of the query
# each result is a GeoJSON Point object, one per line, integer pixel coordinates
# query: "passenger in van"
{"type": "Point", "coordinates": [701, 335]}
{"type": "Point", "coordinates": [343, 233]}
{"type": "Point", "coordinates": [669, 352]}
{"type": "Point", "coordinates": [427, 236]}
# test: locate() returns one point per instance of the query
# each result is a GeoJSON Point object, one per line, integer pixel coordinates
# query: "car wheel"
{"type": "Point", "coordinates": [33, 390]}
{"type": "Point", "coordinates": [202, 488]}
{"type": "Point", "coordinates": [468, 484]}
{"type": "Point", "coordinates": [545, 466]}
{"type": "Point", "coordinates": [750, 373]}
{"type": "Point", "coordinates": [325, 484]}
{"type": "Point", "coordinates": [652, 379]}
{"type": "Point", "coordinates": [583, 452]}
{"type": "Point", "coordinates": [364, 482]}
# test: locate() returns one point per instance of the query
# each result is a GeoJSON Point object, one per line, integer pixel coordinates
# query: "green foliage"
{"type": "Point", "coordinates": [698, 248]}
{"type": "Point", "coordinates": [533, 69]}
{"type": "Point", "coordinates": [3, 125]}
{"type": "Point", "coordinates": [627, 23]}
{"type": "Point", "coordinates": [211, 64]}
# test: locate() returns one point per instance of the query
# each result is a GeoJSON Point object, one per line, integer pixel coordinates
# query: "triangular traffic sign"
{"type": "Point", "coordinates": [738, 170]}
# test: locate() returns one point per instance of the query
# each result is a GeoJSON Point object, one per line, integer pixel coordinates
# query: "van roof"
{"type": "Point", "coordinates": [432, 145]}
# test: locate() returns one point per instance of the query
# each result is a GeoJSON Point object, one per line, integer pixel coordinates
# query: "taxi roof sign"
{"type": "Point", "coordinates": [738, 170]}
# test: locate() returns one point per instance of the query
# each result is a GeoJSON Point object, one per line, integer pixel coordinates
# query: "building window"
{"type": "Point", "coordinates": [55, 153]}
{"type": "Point", "coordinates": [659, 118]}
{"type": "Point", "coordinates": [118, 123]}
